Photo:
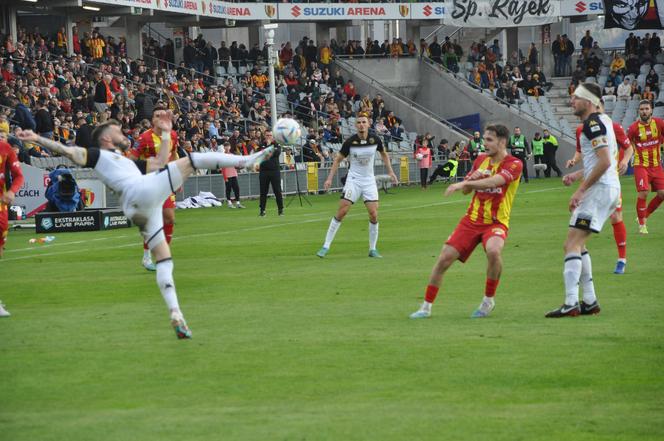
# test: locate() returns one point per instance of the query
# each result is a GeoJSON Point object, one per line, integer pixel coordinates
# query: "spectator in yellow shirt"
{"type": "Point", "coordinates": [259, 80]}
{"type": "Point", "coordinates": [96, 45]}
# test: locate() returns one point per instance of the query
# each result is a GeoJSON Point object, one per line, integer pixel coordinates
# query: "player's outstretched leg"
{"type": "Point", "coordinates": [215, 160]}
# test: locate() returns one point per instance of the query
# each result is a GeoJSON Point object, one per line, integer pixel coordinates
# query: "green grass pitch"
{"type": "Point", "coordinates": [288, 346]}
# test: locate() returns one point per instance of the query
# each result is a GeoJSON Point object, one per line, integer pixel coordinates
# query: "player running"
{"type": "Point", "coordinates": [625, 151]}
{"type": "Point", "coordinates": [647, 134]}
{"type": "Point", "coordinates": [148, 147]}
{"type": "Point", "coordinates": [592, 203]}
{"type": "Point", "coordinates": [142, 195]}
{"type": "Point", "coordinates": [494, 178]}
{"type": "Point", "coordinates": [360, 150]}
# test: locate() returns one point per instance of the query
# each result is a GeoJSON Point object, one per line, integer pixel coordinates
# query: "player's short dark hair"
{"type": "Point", "coordinates": [158, 108]}
{"type": "Point", "coordinates": [593, 88]}
{"type": "Point", "coordinates": [98, 132]}
{"type": "Point", "coordinates": [642, 102]}
{"type": "Point", "coordinates": [500, 130]}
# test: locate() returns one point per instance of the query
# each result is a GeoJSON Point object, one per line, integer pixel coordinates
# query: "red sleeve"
{"type": "Point", "coordinates": [660, 127]}
{"type": "Point", "coordinates": [511, 170]}
{"type": "Point", "coordinates": [15, 169]}
{"type": "Point", "coordinates": [579, 128]}
{"type": "Point", "coordinates": [621, 138]}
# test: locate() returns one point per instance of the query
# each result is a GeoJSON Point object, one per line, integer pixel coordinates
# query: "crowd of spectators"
{"type": "Point", "coordinates": [511, 81]}
{"type": "Point", "coordinates": [624, 69]}
{"type": "Point", "coordinates": [62, 97]}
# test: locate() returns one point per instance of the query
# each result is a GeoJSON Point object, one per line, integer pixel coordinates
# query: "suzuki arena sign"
{"type": "Point", "coordinates": [468, 13]}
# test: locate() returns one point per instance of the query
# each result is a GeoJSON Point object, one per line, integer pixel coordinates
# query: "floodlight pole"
{"type": "Point", "coordinates": [271, 60]}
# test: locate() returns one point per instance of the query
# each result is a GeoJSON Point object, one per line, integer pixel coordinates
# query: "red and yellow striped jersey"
{"type": "Point", "coordinates": [647, 139]}
{"type": "Point", "coordinates": [495, 204]}
{"type": "Point", "coordinates": [148, 145]}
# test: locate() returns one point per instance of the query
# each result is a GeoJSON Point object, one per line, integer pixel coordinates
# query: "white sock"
{"type": "Point", "coordinates": [216, 160]}
{"type": "Point", "coordinates": [146, 255]}
{"type": "Point", "coordinates": [572, 275]}
{"type": "Point", "coordinates": [166, 283]}
{"type": "Point", "coordinates": [426, 306]}
{"type": "Point", "coordinates": [373, 235]}
{"type": "Point", "coordinates": [622, 260]}
{"type": "Point", "coordinates": [331, 232]}
{"type": "Point", "coordinates": [488, 300]}
{"type": "Point", "coordinates": [586, 280]}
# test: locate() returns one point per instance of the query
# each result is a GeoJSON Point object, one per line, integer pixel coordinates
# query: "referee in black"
{"type": "Point", "coordinates": [270, 174]}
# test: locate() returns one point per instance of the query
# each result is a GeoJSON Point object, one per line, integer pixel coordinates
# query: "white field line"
{"type": "Point", "coordinates": [221, 233]}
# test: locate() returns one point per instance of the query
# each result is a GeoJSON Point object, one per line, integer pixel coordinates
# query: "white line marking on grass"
{"type": "Point", "coordinates": [221, 233]}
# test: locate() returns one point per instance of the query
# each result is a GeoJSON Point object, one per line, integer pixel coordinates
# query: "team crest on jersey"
{"type": "Point", "coordinates": [363, 141]}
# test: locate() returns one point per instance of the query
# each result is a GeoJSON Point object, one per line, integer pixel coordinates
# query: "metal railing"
{"type": "Point", "coordinates": [400, 96]}
{"type": "Point", "coordinates": [513, 107]}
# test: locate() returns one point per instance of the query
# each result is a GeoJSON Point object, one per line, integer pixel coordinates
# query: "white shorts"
{"type": "Point", "coordinates": [597, 205]}
{"type": "Point", "coordinates": [142, 200]}
{"type": "Point", "coordinates": [355, 188]}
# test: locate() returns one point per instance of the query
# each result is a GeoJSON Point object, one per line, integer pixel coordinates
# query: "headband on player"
{"type": "Point", "coordinates": [582, 92]}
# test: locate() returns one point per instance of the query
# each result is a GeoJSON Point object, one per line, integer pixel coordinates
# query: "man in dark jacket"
{"type": "Point", "coordinates": [23, 117]}
{"type": "Point", "coordinates": [83, 134]}
{"type": "Point", "coordinates": [44, 120]}
{"type": "Point", "coordinates": [270, 174]}
{"type": "Point", "coordinates": [435, 51]}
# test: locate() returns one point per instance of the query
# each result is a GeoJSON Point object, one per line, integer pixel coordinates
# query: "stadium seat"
{"type": "Point", "coordinates": [645, 68]}
{"type": "Point", "coordinates": [232, 70]}
{"type": "Point", "coordinates": [658, 112]}
{"type": "Point", "coordinates": [591, 80]}
{"type": "Point", "coordinates": [242, 70]}
{"type": "Point", "coordinates": [604, 71]}
{"type": "Point", "coordinates": [221, 71]}
{"type": "Point", "coordinates": [641, 80]}
{"type": "Point", "coordinates": [659, 69]}
{"type": "Point", "coordinates": [601, 80]}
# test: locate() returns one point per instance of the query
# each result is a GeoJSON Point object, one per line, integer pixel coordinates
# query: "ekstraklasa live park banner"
{"type": "Point", "coordinates": [466, 13]}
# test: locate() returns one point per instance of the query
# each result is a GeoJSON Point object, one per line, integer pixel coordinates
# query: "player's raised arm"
{"type": "Point", "coordinates": [78, 155]}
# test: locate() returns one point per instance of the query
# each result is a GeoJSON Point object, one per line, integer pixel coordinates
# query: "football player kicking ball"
{"type": "Point", "coordinates": [625, 151]}
{"type": "Point", "coordinates": [360, 149]}
{"type": "Point", "coordinates": [142, 195]}
{"type": "Point", "coordinates": [494, 178]}
{"type": "Point", "coordinates": [592, 203]}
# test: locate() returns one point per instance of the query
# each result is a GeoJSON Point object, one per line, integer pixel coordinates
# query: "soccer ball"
{"type": "Point", "coordinates": [419, 156]}
{"type": "Point", "coordinates": [287, 131]}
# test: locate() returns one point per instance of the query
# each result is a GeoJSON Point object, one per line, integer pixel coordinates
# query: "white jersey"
{"type": "Point", "coordinates": [115, 170]}
{"type": "Point", "coordinates": [597, 133]}
{"type": "Point", "coordinates": [361, 154]}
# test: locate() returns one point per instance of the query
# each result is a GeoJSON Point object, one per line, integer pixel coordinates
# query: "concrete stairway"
{"type": "Point", "coordinates": [560, 100]}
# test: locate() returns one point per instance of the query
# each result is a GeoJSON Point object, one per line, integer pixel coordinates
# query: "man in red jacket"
{"type": "Point", "coordinates": [11, 180]}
